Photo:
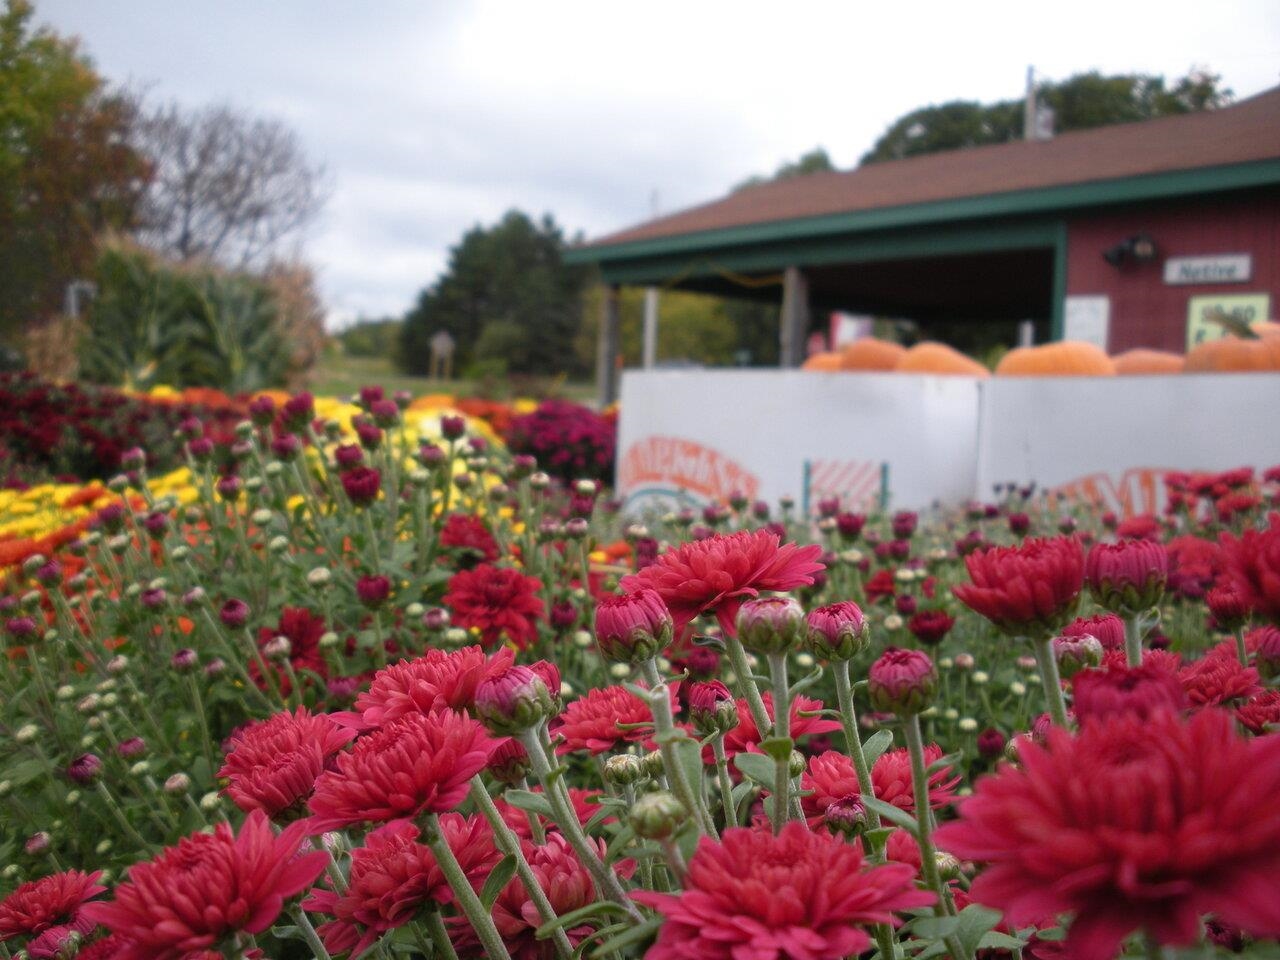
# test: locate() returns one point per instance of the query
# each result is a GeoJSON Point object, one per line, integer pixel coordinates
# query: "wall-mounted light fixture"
{"type": "Point", "coordinates": [1139, 248]}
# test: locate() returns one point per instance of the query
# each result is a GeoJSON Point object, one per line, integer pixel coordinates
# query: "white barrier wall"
{"type": "Point", "coordinates": [1113, 438]}
{"type": "Point", "coordinates": [692, 436]}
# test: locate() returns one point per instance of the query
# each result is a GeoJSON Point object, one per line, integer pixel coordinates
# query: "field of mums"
{"type": "Point", "coordinates": [297, 678]}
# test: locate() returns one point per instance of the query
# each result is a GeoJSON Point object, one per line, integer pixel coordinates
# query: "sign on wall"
{"type": "Point", "coordinates": [1223, 268]}
{"type": "Point", "coordinates": [1249, 307]}
{"type": "Point", "coordinates": [1087, 319]}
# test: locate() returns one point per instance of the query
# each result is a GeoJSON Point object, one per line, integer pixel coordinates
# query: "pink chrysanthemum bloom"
{"type": "Point", "coordinates": [48, 910]}
{"type": "Point", "coordinates": [1218, 680]}
{"type": "Point", "coordinates": [1116, 688]}
{"type": "Point", "coordinates": [209, 886]}
{"type": "Point", "coordinates": [392, 876]}
{"type": "Point", "coordinates": [745, 736]}
{"type": "Point", "coordinates": [1132, 824]}
{"type": "Point", "coordinates": [831, 777]}
{"type": "Point", "coordinates": [1253, 564]}
{"type": "Point", "coordinates": [799, 895]}
{"type": "Point", "coordinates": [416, 764]}
{"type": "Point", "coordinates": [1031, 589]}
{"type": "Point", "coordinates": [497, 601]}
{"type": "Point", "coordinates": [434, 682]}
{"type": "Point", "coordinates": [567, 885]}
{"type": "Point", "coordinates": [591, 722]}
{"type": "Point", "coordinates": [716, 574]}
{"type": "Point", "coordinates": [272, 766]}
{"type": "Point", "coordinates": [1261, 712]}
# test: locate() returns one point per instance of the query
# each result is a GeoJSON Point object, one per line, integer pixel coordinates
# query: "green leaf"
{"type": "Point", "coordinates": [877, 744]}
{"type": "Point", "coordinates": [497, 880]}
{"type": "Point", "coordinates": [20, 774]}
{"type": "Point", "coordinates": [934, 928]}
{"type": "Point", "coordinates": [637, 934]}
{"type": "Point", "coordinates": [975, 920]}
{"type": "Point", "coordinates": [778, 747]}
{"type": "Point", "coordinates": [689, 756]}
{"type": "Point", "coordinates": [527, 800]}
{"type": "Point", "coordinates": [995, 940]}
{"type": "Point", "coordinates": [950, 760]}
{"type": "Point", "coordinates": [756, 766]}
{"type": "Point", "coordinates": [892, 814]}
{"type": "Point", "coordinates": [806, 682]}
{"type": "Point", "coordinates": [573, 918]}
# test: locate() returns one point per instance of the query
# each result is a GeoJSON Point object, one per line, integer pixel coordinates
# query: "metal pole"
{"type": "Point", "coordinates": [1029, 107]}
{"type": "Point", "coordinates": [650, 327]}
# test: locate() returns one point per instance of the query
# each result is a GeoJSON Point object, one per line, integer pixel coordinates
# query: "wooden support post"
{"type": "Point", "coordinates": [794, 325]}
{"type": "Point", "coordinates": [607, 373]}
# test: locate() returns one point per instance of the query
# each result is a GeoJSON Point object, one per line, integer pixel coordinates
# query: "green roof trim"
{"type": "Point", "coordinates": [1014, 203]}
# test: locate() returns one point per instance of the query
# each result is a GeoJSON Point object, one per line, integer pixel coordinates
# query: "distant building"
{"type": "Point", "coordinates": [1124, 235]}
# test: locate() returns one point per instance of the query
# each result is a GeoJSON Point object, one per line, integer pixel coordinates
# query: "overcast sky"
{"type": "Point", "coordinates": [432, 117]}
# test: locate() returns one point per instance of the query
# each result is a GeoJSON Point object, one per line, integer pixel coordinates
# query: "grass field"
{"type": "Point", "coordinates": [337, 376]}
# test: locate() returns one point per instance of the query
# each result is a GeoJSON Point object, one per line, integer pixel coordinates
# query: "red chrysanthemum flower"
{"type": "Point", "coordinates": [567, 885]}
{"type": "Point", "coordinates": [497, 601]}
{"type": "Point", "coordinates": [901, 847]}
{"type": "Point", "coordinates": [415, 764]}
{"type": "Point", "coordinates": [745, 736]}
{"type": "Point", "coordinates": [209, 886]}
{"type": "Point", "coordinates": [1253, 564]}
{"type": "Point", "coordinates": [799, 895]}
{"type": "Point", "coordinates": [831, 777]}
{"type": "Point", "coordinates": [469, 538]}
{"type": "Point", "coordinates": [303, 629]}
{"type": "Point", "coordinates": [1106, 628]}
{"type": "Point", "coordinates": [393, 875]}
{"type": "Point", "coordinates": [1029, 589]}
{"type": "Point", "coordinates": [592, 721]}
{"type": "Point", "coordinates": [1218, 680]}
{"type": "Point", "coordinates": [48, 910]}
{"type": "Point", "coordinates": [1261, 712]}
{"type": "Point", "coordinates": [1194, 564]}
{"type": "Point", "coordinates": [1133, 823]}
{"type": "Point", "coordinates": [716, 574]}
{"type": "Point", "coordinates": [272, 766]}
{"type": "Point", "coordinates": [107, 948]}
{"type": "Point", "coordinates": [436, 681]}
{"type": "Point", "coordinates": [1116, 688]}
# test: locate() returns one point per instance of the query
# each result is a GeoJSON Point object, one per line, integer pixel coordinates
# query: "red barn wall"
{"type": "Point", "coordinates": [1147, 312]}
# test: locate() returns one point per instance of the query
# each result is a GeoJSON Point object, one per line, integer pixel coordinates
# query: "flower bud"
{"type": "Point", "coordinates": [622, 769]}
{"type": "Point", "coordinates": [846, 816]}
{"type": "Point", "coordinates": [771, 624]}
{"type": "Point", "coordinates": [277, 648]}
{"type": "Point", "coordinates": [652, 763]}
{"type": "Point", "coordinates": [1076, 653]}
{"type": "Point", "coordinates": [1127, 577]}
{"type": "Point", "coordinates": [37, 843]}
{"type": "Point", "coordinates": [373, 591]}
{"type": "Point", "coordinates": [234, 613]}
{"type": "Point", "coordinates": [712, 708]}
{"type": "Point", "coordinates": [837, 631]}
{"type": "Point", "coordinates": [656, 816]}
{"type": "Point", "coordinates": [177, 783]}
{"type": "Point", "coordinates": [85, 769]}
{"type": "Point", "coordinates": [453, 427]}
{"type": "Point", "coordinates": [902, 682]}
{"type": "Point", "coordinates": [184, 660]}
{"type": "Point", "coordinates": [509, 763]}
{"type": "Point", "coordinates": [513, 701]}
{"type": "Point", "coordinates": [632, 627]}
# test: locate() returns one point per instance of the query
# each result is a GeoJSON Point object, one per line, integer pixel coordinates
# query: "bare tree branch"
{"type": "Point", "coordinates": [227, 187]}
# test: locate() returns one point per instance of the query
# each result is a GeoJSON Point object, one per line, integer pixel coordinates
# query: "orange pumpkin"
{"type": "Point", "coordinates": [1143, 361]}
{"type": "Point", "coordinates": [871, 354]}
{"type": "Point", "coordinates": [828, 362]}
{"type": "Point", "coordinates": [1234, 354]}
{"type": "Point", "coordinates": [1066, 358]}
{"type": "Point", "coordinates": [932, 357]}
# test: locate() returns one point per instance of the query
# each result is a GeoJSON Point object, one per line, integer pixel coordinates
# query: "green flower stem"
{"type": "Point", "coordinates": [853, 743]}
{"type": "Point", "coordinates": [509, 844]}
{"type": "Point", "coordinates": [372, 536]}
{"type": "Point", "coordinates": [726, 785]}
{"type": "Point", "coordinates": [1133, 640]}
{"type": "Point", "coordinates": [309, 934]}
{"type": "Point", "coordinates": [268, 673]}
{"type": "Point", "coordinates": [206, 741]}
{"type": "Point", "coordinates": [1052, 682]}
{"type": "Point", "coordinates": [536, 829]}
{"type": "Point", "coordinates": [479, 918]}
{"type": "Point", "coordinates": [781, 731]}
{"type": "Point", "coordinates": [233, 658]}
{"type": "Point", "coordinates": [675, 859]}
{"type": "Point", "coordinates": [668, 735]}
{"type": "Point", "coordinates": [1241, 650]}
{"type": "Point", "coordinates": [557, 795]}
{"type": "Point", "coordinates": [747, 685]}
{"type": "Point", "coordinates": [924, 831]}
{"type": "Point", "coordinates": [121, 819]}
{"type": "Point", "coordinates": [439, 936]}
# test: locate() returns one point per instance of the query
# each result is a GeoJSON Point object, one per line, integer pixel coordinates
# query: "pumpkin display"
{"type": "Point", "coordinates": [1066, 358]}
{"type": "Point", "coordinates": [1235, 355]}
{"type": "Point", "coordinates": [871, 354]}
{"type": "Point", "coordinates": [1142, 361]}
{"type": "Point", "coordinates": [929, 356]}
{"type": "Point", "coordinates": [826, 362]}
